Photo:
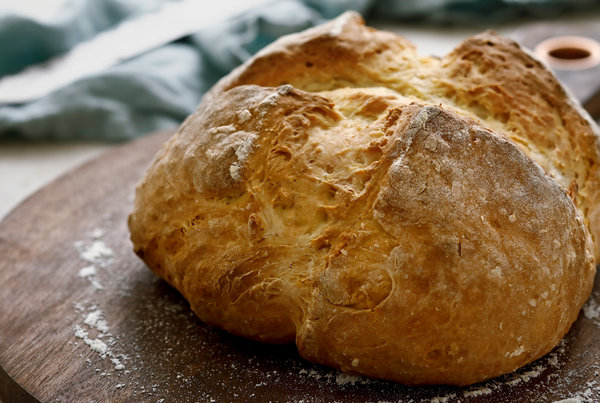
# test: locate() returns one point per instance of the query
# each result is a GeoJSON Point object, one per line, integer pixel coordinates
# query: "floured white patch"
{"type": "Point", "coordinates": [93, 328]}
{"type": "Point", "coordinates": [80, 333]}
{"type": "Point", "coordinates": [518, 351]}
{"type": "Point", "coordinates": [337, 27]}
{"type": "Point", "coordinates": [591, 309]}
{"type": "Point", "coordinates": [430, 143]}
{"type": "Point", "coordinates": [95, 344]}
{"type": "Point", "coordinates": [285, 89]}
{"type": "Point", "coordinates": [222, 130]}
{"type": "Point", "coordinates": [117, 363]}
{"type": "Point", "coordinates": [243, 115]}
{"type": "Point", "coordinates": [94, 319]}
{"type": "Point", "coordinates": [87, 271]}
{"type": "Point", "coordinates": [589, 394]}
{"type": "Point", "coordinates": [94, 332]}
{"type": "Point", "coordinates": [272, 99]}
{"type": "Point", "coordinates": [496, 272]}
{"type": "Point", "coordinates": [242, 151]}
{"type": "Point", "coordinates": [95, 252]}
{"type": "Point", "coordinates": [443, 399]}
{"type": "Point", "coordinates": [343, 379]}
{"type": "Point", "coordinates": [234, 171]}
{"type": "Point", "coordinates": [477, 392]}
{"type": "Point", "coordinates": [339, 378]}
{"type": "Point", "coordinates": [269, 101]}
{"type": "Point", "coordinates": [97, 233]}
{"type": "Point", "coordinates": [526, 376]}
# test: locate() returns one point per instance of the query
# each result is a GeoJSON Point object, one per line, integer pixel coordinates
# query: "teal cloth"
{"type": "Point", "coordinates": [157, 90]}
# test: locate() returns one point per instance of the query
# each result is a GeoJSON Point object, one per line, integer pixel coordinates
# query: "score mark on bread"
{"type": "Point", "coordinates": [408, 218]}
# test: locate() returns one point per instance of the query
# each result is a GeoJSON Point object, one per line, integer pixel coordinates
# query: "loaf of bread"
{"type": "Point", "coordinates": [409, 218]}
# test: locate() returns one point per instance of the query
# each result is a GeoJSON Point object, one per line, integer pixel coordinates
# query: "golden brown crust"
{"type": "Point", "coordinates": [506, 84]}
{"type": "Point", "coordinates": [397, 217]}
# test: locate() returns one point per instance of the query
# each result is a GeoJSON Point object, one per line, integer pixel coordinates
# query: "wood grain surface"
{"type": "Point", "coordinates": [54, 319]}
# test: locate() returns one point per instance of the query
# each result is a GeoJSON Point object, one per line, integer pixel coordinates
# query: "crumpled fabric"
{"type": "Point", "coordinates": [159, 89]}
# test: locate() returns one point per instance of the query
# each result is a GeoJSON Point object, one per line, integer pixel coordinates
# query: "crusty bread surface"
{"type": "Point", "coordinates": [409, 218]}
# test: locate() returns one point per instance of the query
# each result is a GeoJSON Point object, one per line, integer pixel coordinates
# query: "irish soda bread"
{"type": "Point", "coordinates": [409, 218]}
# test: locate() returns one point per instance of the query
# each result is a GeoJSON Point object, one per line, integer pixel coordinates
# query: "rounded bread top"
{"type": "Point", "coordinates": [487, 77]}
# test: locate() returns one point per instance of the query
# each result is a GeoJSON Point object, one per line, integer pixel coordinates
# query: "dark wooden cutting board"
{"type": "Point", "coordinates": [154, 347]}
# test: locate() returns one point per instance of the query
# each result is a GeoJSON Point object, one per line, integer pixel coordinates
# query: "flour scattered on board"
{"type": "Point", "coordinates": [88, 271]}
{"type": "Point", "coordinates": [95, 344]}
{"type": "Point", "coordinates": [93, 329]}
{"type": "Point", "coordinates": [94, 319]}
{"type": "Point", "coordinates": [520, 377]}
{"type": "Point", "coordinates": [542, 367]}
{"type": "Point", "coordinates": [96, 254]}
{"type": "Point", "coordinates": [95, 333]}
{"type": "Point", "coordinates": [588, 395]}
{"type": "Point", "coordinates": [106, 356]}
{"type": "Point", "coordinates": [444, 399]}
{"type": "Point", "coordinates": [477, 392]}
